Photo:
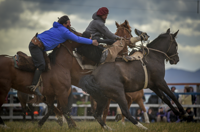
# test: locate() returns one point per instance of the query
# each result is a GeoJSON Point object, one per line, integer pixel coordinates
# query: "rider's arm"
{"type": "Point", "coordinates": [104, 30]}
{"type": "Point", "coordinates": [71, 36]}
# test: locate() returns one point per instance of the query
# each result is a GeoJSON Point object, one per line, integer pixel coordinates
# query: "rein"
{"type": "Point", "coordinates": [68, 50]}
{"type": "Point", "coordinates": [168, 57]}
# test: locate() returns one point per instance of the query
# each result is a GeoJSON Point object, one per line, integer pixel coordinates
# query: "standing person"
{"type": "Point", "coordinates": [161, 115]}
{"type": "Point", "coordinates": [48, 40]}
{"type": "Point", "coordinates": [76, 98]}
{"type": "Point", "coordinates": [193, 100]}
{"type": "Point", "coordinates": [98, 29]}
{"type": "Point", "coordinates": [186, 99]}
{"type": "Point", "coordinates": [151, 114]}
{"type": "Point", "coordinates": [139, 115]}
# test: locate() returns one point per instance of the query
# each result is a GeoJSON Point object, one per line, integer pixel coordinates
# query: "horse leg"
{"type": "Point", "coordinates": [141, 104]}
{"type": "Point", "coordinates": [129, 101]}
{"type": "Point", "coordinates": [166, 89]}
{"type": "Point", "coordinates": [58, 114]}
{"type": "Point", "coordinates": [101, 105]}
{"type": "Point", "coordinates": [30, 106]}
{"type": "Point", "coordinates": [165, 99]}
{"type": "Point", "coordinates": [105, 112]}
{"type": "Point", "coordinates": [3, 94]}
{"type": "Point", "coordinates": [50, 106]}
{"type": "Point", "coordinates": [66, 105]}
{"type": "Point", "coordinates": [125, 111]}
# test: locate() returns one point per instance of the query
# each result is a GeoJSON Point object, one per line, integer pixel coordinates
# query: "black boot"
{"type": "Point", "coordinates": [143, 35]}
{"type": "Point", "coordinates": [36, 78]}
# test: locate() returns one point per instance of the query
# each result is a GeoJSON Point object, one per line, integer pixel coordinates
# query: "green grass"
{"type": "Point", "coordinates": [93, 126]}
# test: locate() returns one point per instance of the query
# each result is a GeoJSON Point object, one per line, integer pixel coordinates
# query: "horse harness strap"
{"type": "Point", "coordinates": [145, 73]}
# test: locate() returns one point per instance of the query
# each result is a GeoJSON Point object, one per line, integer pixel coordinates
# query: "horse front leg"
{"type": "Point", "coordinates": [165, 99]}
{"type": "Point", "coordinates": [105, 112]}
{"type": "Point", "coordinates": [167, 91]}
{"type": "Point", "coordinates": [141, 104]}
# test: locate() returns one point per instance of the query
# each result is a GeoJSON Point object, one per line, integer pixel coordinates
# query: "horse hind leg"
{"type": "Point", "coordinates": [101, 105]}
{"type": "Point", "coordinates": [66, 105]}
{"type": "Point", "coordinates": [125, 111]}
{"type": "Point", "coordinates": [141, 104]}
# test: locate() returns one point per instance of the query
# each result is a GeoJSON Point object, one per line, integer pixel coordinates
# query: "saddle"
{"type": "Point", "coordinates": [25, 63]}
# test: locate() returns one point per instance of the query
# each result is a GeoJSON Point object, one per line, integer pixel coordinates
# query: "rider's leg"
{"type": "Point", "coordinates": [39, 62]}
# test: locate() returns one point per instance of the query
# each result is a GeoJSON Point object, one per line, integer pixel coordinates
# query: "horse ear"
{"type": "Point", "coordinates": [168, 31]}
{"type": "Point", "coordinates": [116, 24]}
{"type": "Point", "coordinates": [126, 22]}
{"type": "Point", "coordinates": [174, 35]}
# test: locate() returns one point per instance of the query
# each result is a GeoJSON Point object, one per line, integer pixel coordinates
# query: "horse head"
{"type": "Point", "coordinates": [166, 44]}
{"type": "Point", "coordinates": [124, 30]}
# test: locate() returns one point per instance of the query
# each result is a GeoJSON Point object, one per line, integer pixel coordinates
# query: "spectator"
{"type": "Point", "coordinates": [139, 115]}
{"type": "Point", "coordinates": [152, 116]}
{"type": "Point", "coordinates": [190, 118]}
{"type": "Point", "coordinates": [186, 99]}
{"type": "Point", "coordinates": [161, 115]}
{"type": "Point", "coordinates": [193, 99]}
{"type": "Point", "coordinates": [176, 95]}
{"type": "Point", "coordinates": [76, 97]}
{"type": "Point", "coordinates": [81, 110]}
{"type": "Point", "coordinates": [171, 117]}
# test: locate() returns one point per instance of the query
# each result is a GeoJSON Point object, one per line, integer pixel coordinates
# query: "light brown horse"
{"type": "Point", "coordinates": [56, 82]}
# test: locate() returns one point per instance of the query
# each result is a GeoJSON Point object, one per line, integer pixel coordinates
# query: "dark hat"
{"type": "Point", "coordinates": [102, 11]}
{"type": "Point", "coordinates": [173, 87]}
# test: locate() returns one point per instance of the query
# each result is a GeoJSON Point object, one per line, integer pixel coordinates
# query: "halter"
{"type": "Point", "coordinates": [126, 30]}
{"type": "Point", "coordinates": [168, 57]}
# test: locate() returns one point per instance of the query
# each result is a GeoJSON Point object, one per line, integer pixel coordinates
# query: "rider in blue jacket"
{"type": "Point", "coordinates": [48, 40]}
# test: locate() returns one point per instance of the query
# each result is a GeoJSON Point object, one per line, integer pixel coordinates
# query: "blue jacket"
{"type": "Point", "coordinates": [59, 34]}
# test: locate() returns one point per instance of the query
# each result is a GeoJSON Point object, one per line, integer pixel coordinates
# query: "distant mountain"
{"type": "Point", "coordinates": [182, 76]}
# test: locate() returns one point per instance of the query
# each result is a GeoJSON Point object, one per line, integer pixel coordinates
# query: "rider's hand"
{"type": "Point", "coordinates": [95, 43]}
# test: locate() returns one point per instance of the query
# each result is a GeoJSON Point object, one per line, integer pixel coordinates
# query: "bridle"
{"type": "Point", "coordinates": [168, 57]}
{"type": "Point", "coordinates": [126, 30]}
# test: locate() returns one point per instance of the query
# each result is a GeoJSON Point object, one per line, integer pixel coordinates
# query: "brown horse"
{"type": "Point", "coordinates": [56, 82]}
{"type": "Point", "coordinates": [24, 99]}
{"type": "Point", "coordinates": [112, 80]}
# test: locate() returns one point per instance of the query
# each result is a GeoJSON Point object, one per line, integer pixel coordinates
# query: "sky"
{"type": "Point", "coordinates": [20, 20]}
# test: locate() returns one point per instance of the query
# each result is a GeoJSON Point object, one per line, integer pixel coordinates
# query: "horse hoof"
{"type": "Point", "coordinates": [4, 127]}
{"type": "Point", "coordinates": [107, 128]}
{"type": "Point", "coordinates": [123, 123]}
{"type": "Point", "coordinates": [141, 126]}
{"type": "Point", "coordinates": [147, 122]}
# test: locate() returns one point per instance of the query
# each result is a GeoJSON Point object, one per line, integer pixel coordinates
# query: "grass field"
{"type": "Point", "coordinates": [93, 126]}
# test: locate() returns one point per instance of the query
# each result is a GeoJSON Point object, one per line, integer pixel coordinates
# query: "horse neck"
{"type": "Point", "coordinates": [65, 53]}
{"type": "Point", "coordinates": [160, 45]}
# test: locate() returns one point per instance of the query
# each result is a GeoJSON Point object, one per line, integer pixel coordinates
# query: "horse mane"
{"type": "Point", "coordinates": [153, 42]}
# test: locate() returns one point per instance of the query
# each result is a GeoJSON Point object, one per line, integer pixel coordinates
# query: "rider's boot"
{"type": "Point", "coordinates": [133, 40]}
{"type": "Point", "coordinates": [33, 87]}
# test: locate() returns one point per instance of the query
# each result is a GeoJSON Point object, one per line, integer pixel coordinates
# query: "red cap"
{"type": "Point", "coordinates": [102, 11]}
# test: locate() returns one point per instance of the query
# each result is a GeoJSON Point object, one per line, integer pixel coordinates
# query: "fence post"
{"type": "Point", "coordinates": [85, 111]}
{"type": "Point", "coordinates": [198, 100]}
{"type": "Point", "coordinates": [11, 108]}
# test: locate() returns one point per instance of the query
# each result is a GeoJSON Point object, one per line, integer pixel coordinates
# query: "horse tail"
{"type": "Point", "coordinates": [89, 84]}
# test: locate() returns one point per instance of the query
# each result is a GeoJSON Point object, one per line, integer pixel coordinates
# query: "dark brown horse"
{"type": "Point", "coordinates": [112, 80]}
{"type": "Point", "coordinates": [24, 99]}
{"type": "Point", "coordinates": [56, 82]}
